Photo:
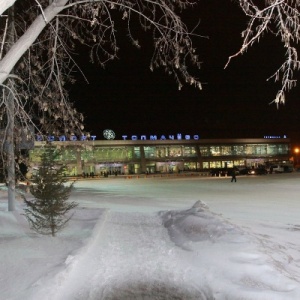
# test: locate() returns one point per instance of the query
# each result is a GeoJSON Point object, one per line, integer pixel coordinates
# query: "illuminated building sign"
{"type": "Point", "coordinates": [109, 135]}
{"type": "Point", "coordinates": [178, 136]}
{"type": "Point", "coordinates": [63, 138]}
{"type": "Point", "coordinates": [274, 137]}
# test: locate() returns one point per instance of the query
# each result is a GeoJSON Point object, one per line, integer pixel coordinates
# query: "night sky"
{"type": "Point", "coordinates": [234, 103]}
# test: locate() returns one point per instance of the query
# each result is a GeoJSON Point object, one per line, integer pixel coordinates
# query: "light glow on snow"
{"type": "Point", "coordinates": [161, 238]}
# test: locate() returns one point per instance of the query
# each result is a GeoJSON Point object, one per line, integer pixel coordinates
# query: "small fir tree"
{"type": "Point", "coordinates": [47, 213]}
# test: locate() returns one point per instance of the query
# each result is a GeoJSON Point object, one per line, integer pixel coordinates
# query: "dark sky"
{"type": "Point", "coordinates": [234, 103]}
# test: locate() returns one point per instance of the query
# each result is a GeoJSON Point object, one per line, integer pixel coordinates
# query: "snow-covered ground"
{"type": "Point", "coordinates": [161, 238]}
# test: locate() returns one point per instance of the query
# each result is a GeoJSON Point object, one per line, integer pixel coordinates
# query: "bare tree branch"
{"type": "Point", "coordinates": [280, 18]}
{"type": "Point", "coordinates": [48, 33]}
{"type": "Point", "coordinates": [27, 39]}
{"type": "Point", "coordinates": [6, 4]}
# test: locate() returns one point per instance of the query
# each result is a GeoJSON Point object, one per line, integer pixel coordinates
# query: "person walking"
{"type": "Point", "coordinates": [233, 176]}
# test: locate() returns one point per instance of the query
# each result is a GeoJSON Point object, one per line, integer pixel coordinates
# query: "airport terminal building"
{"type": "Point", "coordinates": [139, 155]}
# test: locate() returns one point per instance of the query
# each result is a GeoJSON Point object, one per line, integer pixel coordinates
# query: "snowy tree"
{"type": "Point", "coordinates": [48, 212]}
{"type": "Point", "coordinates": [36, 67]}
{"type": "Point", "coordinates": [60, 23]}
{"type": "Point", "coordinates": [280, 18]}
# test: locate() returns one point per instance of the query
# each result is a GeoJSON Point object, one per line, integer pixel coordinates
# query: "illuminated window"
{"type": "Point", "coordinates": [227, 164]}
{"type": "Point", "coordinates": [191, 166]}
{"type": "Point", "coordinates": [137, 152]}
{"type": "Point", "coordinates": [215, 150]}
{"type": "Point", "coordinates": [204, 151]}
{"type": "Point", "coordinates": [226, 150]}
{"type": "Point", "coordinates": [239, 163]}
{"type": "Point", "coordinates": [238, 150]}
{"type": "Point", "coordinates": [160, 152]}
{"type": "Point", "coordinates": [175, 151]}
{"type": "Point", "coordinates": [216, 164]}
{"type": "Point", "coordinates": [249, 150]}
{"type": "Point", "coordinates": [205, 165]}
{"type": "Point", "coordinates": [189, 152]}
{"type": "Point", "coordinates": [150, 152]}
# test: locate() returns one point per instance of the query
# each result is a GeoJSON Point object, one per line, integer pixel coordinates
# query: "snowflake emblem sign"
{"type": "Point", "coordinates": [109, 134]}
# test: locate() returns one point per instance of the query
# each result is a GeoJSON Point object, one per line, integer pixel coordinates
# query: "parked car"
{"type": "Point", "coordinates": [276, 169]}
{"type": "Point", "coordinates": [283, 168]}
{"type": "Point", "coordinates": [244, 171]}
{"type": "Point", "coordinates": [257, 171]}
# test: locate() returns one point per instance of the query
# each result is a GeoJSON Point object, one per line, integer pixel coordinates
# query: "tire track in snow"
{"type": "Point", "coordinates": [131, 257]}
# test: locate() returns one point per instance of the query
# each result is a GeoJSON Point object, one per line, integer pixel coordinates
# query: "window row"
{"type": "Point", "coordinates": [157, 152]}
{"type": "Point", "coordinates": [240, 150]}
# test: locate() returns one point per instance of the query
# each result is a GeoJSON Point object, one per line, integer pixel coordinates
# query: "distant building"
{"type": "Point", "coordinates": [163, 156]}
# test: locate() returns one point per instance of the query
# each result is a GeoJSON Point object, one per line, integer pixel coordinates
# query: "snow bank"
{"type": "Point", "coordinates": [244, 244]}
{"type": "Point", "coordinates": [226, 258]}
{"type": "Point", "coordinates": [194, 225]}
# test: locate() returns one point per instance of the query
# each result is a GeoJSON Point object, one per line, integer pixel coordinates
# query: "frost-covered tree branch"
{"type": "Point", "coordinates": [280, 18]}
{"type": "Point", "coordinates": [41, 60]}
{"type": "Point", "coordinates": [26, 40]}
{"type": "Point", "coordinates": [38, 43]}
{"type": "Point", "coordinates": [5, 4]}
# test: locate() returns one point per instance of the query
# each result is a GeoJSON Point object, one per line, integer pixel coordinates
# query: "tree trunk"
{"type": "Point", "coordinates": [11, 176]}
{"type": "Point", "coordinates": [10, 107]}
{"type": "Point", "coordinates": [52, 225]}
{"type": "Point", "coordinates": [4, 5]}
{"type": "Point", "coordinates": [28, 38]}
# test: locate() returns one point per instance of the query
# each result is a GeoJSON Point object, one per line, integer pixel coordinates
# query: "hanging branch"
{"type": "Point", "coordinates": [280, 18]}
{"type": "Point", "coordinates": [48, 33]}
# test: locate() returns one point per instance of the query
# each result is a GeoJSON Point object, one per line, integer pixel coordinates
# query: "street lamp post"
{"type": "Point", "coordinates": [296, 151]}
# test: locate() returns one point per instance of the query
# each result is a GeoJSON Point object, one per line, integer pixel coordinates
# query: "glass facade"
{"type": "Point", "coordinates": [112, 153]}
{"type": "Point", "coordinates": [247, 149]}
{"type": "Point", "coordinates": [162, 156]}
{"type": "Point", "coordinates": [158, 152]}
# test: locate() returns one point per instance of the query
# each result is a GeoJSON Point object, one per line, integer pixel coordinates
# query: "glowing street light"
{"type": "Point", "coordinates": [297, 150]}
